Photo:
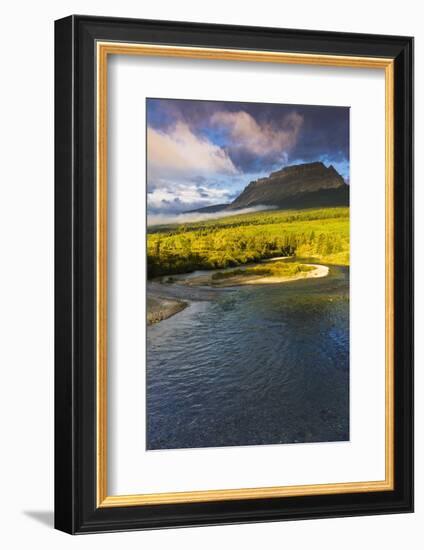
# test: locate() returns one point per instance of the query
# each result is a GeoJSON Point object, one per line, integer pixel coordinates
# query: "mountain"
{"type": "Point", "coordinates": [309, 185]}
{"type": "Point", "coordinates": [298, 186]}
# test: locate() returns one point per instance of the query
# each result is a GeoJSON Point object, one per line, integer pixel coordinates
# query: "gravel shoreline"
{"type": "Point", "coordinates": [253, 279]}
{"type": "Point", "coordinates": [160, 308]}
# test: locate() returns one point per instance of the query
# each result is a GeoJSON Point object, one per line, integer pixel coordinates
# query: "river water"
{"type": "Point", "coordinates": [252, 365]}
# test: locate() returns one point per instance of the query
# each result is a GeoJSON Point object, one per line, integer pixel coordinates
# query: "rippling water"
{"type": "Point", "coordinates": [252, 365]}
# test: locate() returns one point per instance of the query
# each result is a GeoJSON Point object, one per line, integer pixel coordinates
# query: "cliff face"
{"type": "Point", "coordinates": [299, 186]}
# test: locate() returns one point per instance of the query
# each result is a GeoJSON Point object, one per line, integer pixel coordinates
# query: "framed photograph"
{"type": "Point", "coordinates": [233, 274]}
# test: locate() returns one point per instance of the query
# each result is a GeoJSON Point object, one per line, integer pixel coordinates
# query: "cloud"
{"type": "Point", "coordinates": [171, 196]}
{"type": "Point", "coordinates": [167, 219]}
{"type": "Point", "coordinates": [178, 152]}
{"type": "Point", "coordinates": [263, 139]}
{"type": "Point", "coordinates": [201, 153]}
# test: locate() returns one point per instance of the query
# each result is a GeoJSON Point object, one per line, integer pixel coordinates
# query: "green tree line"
{"type": "Point", "coordinates": [237, 240]}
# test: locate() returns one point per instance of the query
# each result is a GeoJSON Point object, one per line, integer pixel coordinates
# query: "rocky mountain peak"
{"type": "Point", "coordinates": [296, 184]}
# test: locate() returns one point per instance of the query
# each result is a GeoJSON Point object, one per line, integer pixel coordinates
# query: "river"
{"type": "Point", "coordinates": [252, 365]}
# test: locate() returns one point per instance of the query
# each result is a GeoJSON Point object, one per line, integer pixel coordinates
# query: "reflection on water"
{"type": "Point", "coordinates": [252, 365]}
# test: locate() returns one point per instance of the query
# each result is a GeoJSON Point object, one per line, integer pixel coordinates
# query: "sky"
{"type": "Point", "coordinates": [201, 153]}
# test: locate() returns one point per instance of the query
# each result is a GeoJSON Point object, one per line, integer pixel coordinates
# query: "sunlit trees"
{"type": "Point", "coordinates": [238, 240]}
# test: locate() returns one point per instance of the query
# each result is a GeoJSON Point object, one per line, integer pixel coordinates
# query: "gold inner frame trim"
{"type": "Point", "coordinates": [104, 49]}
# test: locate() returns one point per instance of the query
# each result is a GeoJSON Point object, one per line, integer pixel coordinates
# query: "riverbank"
{"type": "Point", "coordinates": [160, 308]}
{"type": "Point", "coordinates": [165, 298]}
{"type": "Point", "coordinates": [247, 278]}
{"type": "Point", "coordinates": [317, 272]}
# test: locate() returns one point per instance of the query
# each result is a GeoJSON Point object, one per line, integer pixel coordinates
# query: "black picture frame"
{"type": "Point", "coordinates": [76, 508]}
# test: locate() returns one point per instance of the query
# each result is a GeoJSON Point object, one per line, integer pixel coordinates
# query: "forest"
{"type": "Point", "coordinates": [321, 234]}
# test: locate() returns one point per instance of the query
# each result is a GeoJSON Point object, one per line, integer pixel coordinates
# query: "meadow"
{"type": "Point", "coordinates": [274, 269]}
{"type": "Point", "coordinates": [321, 234]}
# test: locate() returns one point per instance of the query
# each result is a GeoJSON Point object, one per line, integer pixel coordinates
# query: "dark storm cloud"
{"type": "Point", "coordinates": [323, 131]}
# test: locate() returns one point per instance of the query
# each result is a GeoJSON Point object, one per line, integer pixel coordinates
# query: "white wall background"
{"type": "Point", "coordinates": [26, 273]}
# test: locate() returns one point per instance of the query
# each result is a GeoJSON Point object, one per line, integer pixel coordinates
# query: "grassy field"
{"type": "Point", "coordinates": [321, 234]}
{"type": "Point", "coordinates": [274, 269]}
